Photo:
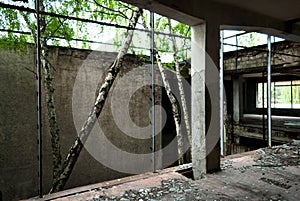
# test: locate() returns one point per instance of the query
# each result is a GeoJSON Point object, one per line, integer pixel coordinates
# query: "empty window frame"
{"type": "Point", "coordinates": [284, 94]}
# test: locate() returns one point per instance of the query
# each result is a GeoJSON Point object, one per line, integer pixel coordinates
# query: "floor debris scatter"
{"type": "Point", "coordinates": [265, 174]}
{"type": "Point", "coordinates": [279, 156]}
{"type": "Point", "coordinates": [172, 189]}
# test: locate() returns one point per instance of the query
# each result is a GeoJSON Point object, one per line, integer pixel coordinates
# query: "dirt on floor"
{"type": "Point", "coordinates": [264, 174]}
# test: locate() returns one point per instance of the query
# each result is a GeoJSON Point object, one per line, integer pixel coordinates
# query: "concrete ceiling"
{"type": "Point", "coordinates": [276, 17]}
{"type": "Point", "coordinates": [278, 9]}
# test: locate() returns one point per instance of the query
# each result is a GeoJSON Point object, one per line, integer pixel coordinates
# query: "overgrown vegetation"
{"type": "Point", "coordinates": [58, 27]}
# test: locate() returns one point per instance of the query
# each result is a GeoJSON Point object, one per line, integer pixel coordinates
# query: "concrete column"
{"type": "Point", "coordinates": [205, 101]}
{"type": "Point", "coordinates": [212, 80]}
{"type": "Point", "coordinates": [236, 100]}
{"type": "Point", "coordinates": [198, 101]}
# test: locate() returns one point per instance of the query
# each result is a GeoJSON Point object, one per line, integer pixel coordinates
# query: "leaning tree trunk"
{"type": "Point", "coordinates": [87, 127]}
{"type": "Point", "coordinates": [175, 109]}
{"type": "Point", "coordinates": [180, 86]}
{"type": "Point", "coordinates": [174, 104]}
{"type": "Point", "coordinates": [51, 112]}
{"type": "Point", "coordinates": [49, 91]}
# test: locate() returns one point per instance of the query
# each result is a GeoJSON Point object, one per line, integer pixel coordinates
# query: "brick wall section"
{"type": "Point", "coordinates": [252, 58]}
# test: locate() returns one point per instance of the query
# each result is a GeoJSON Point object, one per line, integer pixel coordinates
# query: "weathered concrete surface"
{"type": "Point", "coordinates": [18, 134]}
{"type": "Point", "coordinates": [254, 60]}
{"type": "Point", "coordinates": [265, 174]}
{"type": "Point", "coordinates": [205, 96]}
{"type": "Point", "coordinates": [260, 16]}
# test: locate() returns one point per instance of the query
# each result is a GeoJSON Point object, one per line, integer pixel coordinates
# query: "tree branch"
{"type": "Point", "coordinates": [112, 10]}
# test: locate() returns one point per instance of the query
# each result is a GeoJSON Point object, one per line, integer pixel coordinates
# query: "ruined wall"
{"type": "Point", "coordinates": [18, 124]}
{"type": "Point", "coordinates": [253, 58]}
{"type": "Point", "coordinates": [242, 66]}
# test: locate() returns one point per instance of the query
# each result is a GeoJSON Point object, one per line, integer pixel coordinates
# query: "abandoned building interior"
{"type": "Point", "coordinates": [243, 104]}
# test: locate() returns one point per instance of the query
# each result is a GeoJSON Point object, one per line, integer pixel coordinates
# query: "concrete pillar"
{"type": "Point", "coordinates": [198, 101]}
{"type": "Point", "coordinates": [236, 100]}
{"type": "Point", "coordinates": [205, 102]}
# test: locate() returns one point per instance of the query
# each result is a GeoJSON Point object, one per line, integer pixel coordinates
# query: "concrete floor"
{"type": "Point", "coordinates": [264, 174]}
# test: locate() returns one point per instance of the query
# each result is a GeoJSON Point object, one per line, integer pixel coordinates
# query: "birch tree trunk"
{"type": "Point", "coordinates": [88, 125]}
{"type": "Point", "coordinates": [175, 109]}
{"type": "Point", "coordinates": [49, 91]}
{"type": "Point", "coordinates": [51, 111]}
{"type": "Point", "coordinates": [180, 85]}
{"type": "Point", "coordinates": [174, 104]}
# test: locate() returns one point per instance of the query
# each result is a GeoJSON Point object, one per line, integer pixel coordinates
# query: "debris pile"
{"type": "Point", "coordinates": [265, 183]}
{"type": "Point", "coordinates": [279, 156]}
{"type": "Point", "coordinates": [226, 164]}
{"type": "Point", "coordinates": [172, 189]}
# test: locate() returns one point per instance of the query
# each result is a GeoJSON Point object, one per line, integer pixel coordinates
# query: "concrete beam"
{"type": "Point", "coordinates": [205, 99]}
{"type": "Point", "coordinates": [166, 10]}
{"type": "Point", "coordinates": [212, 81]}
{"type": "Point", "coordinates": [236, 100]}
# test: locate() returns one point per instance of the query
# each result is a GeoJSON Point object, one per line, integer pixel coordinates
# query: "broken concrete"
{"type": "Point", "coordinates": [243, 177]}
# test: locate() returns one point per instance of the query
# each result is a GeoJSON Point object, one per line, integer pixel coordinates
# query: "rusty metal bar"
{"type": "Point", "coordinates": [152, 90]}
{"type": "Point", "coordinates": [39, 99]}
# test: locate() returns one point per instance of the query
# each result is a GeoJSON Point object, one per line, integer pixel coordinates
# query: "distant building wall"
{"type": "Point", "coordinates": [245, 128]}
{"type": "Point", "coordinates": [253, 58]}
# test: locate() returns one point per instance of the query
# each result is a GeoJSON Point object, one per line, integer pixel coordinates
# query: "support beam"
{"type": "Point", "coordinates": [212, 61]}
{"type": "Point", "coordinates": [198, 101]}
{"type": "Point", "coordinates": [152, 91]}
{"type": "Point", "coordinates": [39, 99]}
{"type": "Point", "coordinates": [269, 93]}
{"type": "Point", "coordinates": [221, 93]}
{"type": "Point", "coordinates": [205, 99]}
{"type": "Point", "coordinates": [236, 100]}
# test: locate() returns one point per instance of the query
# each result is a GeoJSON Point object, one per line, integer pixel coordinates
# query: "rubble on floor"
{"type": "Point", "coordinates": [279, 156]}
{"type": "Point", "coordinates": [264, 174]}
{"type": "Point", "coordinates": [171, 189]}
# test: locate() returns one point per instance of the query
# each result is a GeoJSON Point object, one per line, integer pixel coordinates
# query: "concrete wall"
{"type": "Point", "coordinates": [18, 133]}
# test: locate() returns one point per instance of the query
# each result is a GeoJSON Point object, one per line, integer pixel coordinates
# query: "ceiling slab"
{"type": "Point", "coordinates": [283, 10]}
{"type": "Point", "coordinates": [265, 16]}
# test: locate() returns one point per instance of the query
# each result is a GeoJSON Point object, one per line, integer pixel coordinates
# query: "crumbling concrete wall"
{"type": "Point", "coordinates": [251, 62]}
{"type": "Point", "coordinates": [18, 125]}
{"type": "Point", "coordinates": [257, 56]}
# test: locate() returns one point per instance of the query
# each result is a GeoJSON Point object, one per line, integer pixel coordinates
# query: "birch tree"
{"type": "Point", "coordinates": [49, 89]}
{"type": "Point", "coordinates": [56, 27]}
{"type": "Point", "coordinates": [173, 101]}
{"type": "Point", "coordinates": [48, 27]}
{"type": "Point", "coordinates": [88, 125]}
{"type": "Point", "coordinates": [51, 27]}
{"type": "Point", "coordinates": [180, 85]}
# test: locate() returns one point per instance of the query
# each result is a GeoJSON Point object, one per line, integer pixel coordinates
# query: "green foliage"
{"type": "Point", "coordinates": [170, 65]}
{"type": "Point", "coordinates": [110, 11]}
{"type": "Point", "coordinates": [250, 39]}
{"type": "Point", "coordinates": [14, 42]}
{"type": "Point", "coordinates": [182, 29]}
